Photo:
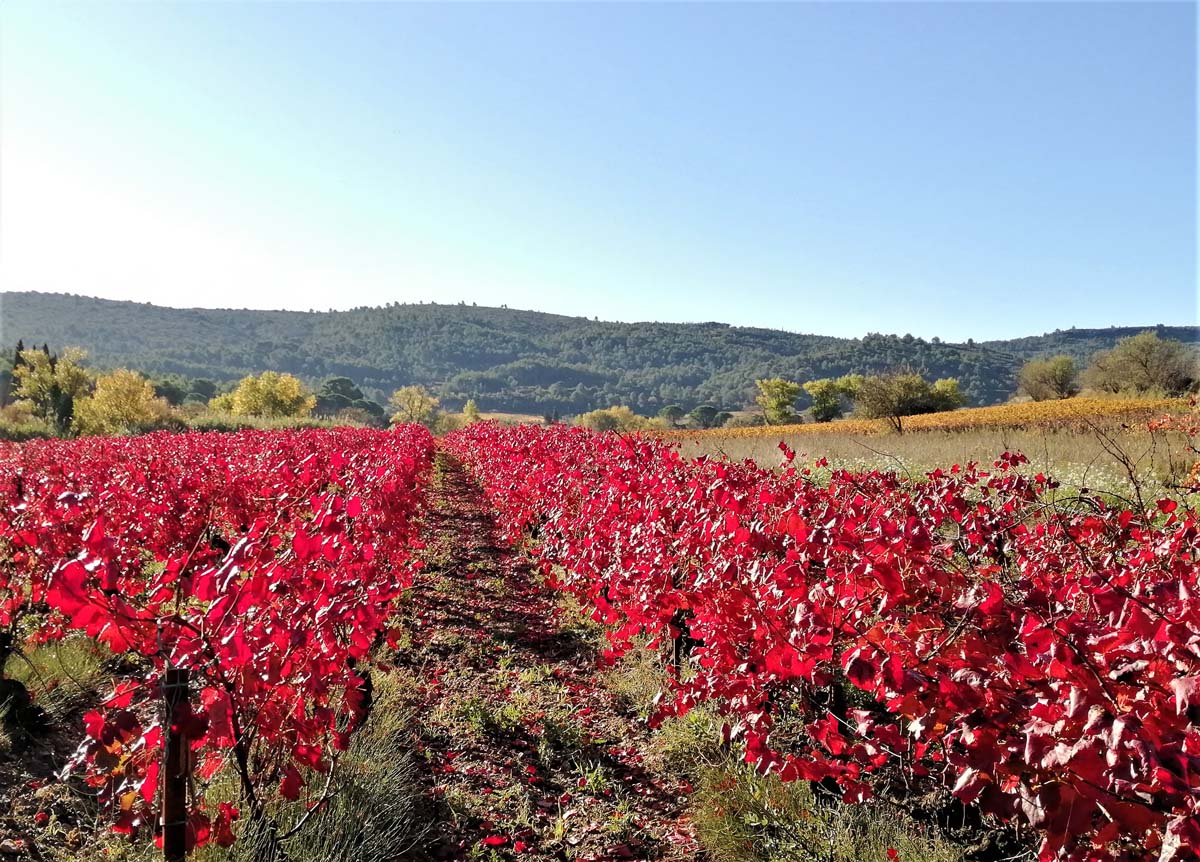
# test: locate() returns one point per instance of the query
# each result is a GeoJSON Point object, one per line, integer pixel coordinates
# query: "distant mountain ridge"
{"type": "Point", "coordinates": [506, 359]}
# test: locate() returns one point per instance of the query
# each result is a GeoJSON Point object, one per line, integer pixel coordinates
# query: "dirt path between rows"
{"type": "Point", "coordinates": [524, 749]}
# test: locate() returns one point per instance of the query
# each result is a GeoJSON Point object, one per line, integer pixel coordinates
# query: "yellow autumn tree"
{"type": "Point", "coordinates": [268, 394]}
{"type": "Point", "coordinates": [620, 418]}
{"type": "Point", "coordinates": [123, 402]}
{"type": "Point", "coordinates": [414, 404]}
{"type": "Point", "coordinates": [51, 384]}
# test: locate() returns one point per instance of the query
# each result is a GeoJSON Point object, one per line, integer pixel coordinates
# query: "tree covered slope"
{"type": "Point", "coordinates": [509, 359]}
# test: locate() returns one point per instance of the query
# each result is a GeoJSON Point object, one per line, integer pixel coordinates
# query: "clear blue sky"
{"type": "Point", "coordinates": [981, 170]}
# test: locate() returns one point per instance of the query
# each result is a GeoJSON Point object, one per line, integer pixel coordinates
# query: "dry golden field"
{"type": "Point", "coordinates": [1077, 412]}
{"type": "Point", "coordinates": [1096, 443]}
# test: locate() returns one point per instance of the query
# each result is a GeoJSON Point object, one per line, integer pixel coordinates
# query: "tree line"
{"type": "Point", "coordinates": [1142, 365]}
{"type": "Point", "coordinates": [47, 393]}
{"type": "Point", "coordinates": [44, 393]}
{"type": "Point", "coordinates": [516, 361]}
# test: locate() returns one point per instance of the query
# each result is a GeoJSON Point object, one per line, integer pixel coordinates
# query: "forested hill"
{"type": "Point", "coordinates": [510, 360]}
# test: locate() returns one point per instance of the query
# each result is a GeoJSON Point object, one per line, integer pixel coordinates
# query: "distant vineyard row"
{"type": "Point", "coordinates": [1075, 413]}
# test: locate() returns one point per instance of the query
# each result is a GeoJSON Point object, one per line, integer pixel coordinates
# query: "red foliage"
{"type": "Point", "coordinates": [267, 564]}
{"type": "Point", "coordinates": [1042, 663]}
{"type": "Point", "coordinates": [1187, 424]}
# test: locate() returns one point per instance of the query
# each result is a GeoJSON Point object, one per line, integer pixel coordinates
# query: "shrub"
{"type": "Point", "coordinates": [612, 419]}
{"type": "Point", "coordinates": [1143, 364]}
{"type": "Point", "coordinates": [123, 402]}
{"type": "Point", "coordinates": [18, 423]}
{"type": "Point", "coordinates": [777, 398]}
{"type": "Point", "coordinates": [210, 420]}
{"type": "Point", "coordinates": [1047, 379]}
{"type": "Point", "coordinates": [894, 396]}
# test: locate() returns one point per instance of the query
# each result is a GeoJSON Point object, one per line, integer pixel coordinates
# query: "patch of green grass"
{"type": "Point", "coordinates": [536, 675]}
{"type": "Point", "coordinates": [104, 846]}
{"type": "Point", "coordinates": [511, 714]}
{"type": "Point", "coordinates": [61, 676]}
{"type": "Point", "coordinates": [475, 713]}
{"type": "Point", "coordinates": [562, 738]}
{"type": "Point", "coordinates": [638, 679]}
{"type": "Point", "coordinates": [375, 814]}
{"type": "Point", "coordinates": [741, 816]}
{"type": "Point", "coordinates": [404, 639]}
{"type": "Point", "coordinates": [463, 806]}
{"type": "Point", "coordinates": [443, 586]}
{"type": "Point", "coordinates": [482, 717]}
{"type": "Point", "coordinates": [593, 777]}
{"type": "Point", "coordinates": [620, 823]}
{"type": "Point", "coordinates": [690, 743]}
{"type": "Point", "coordinates": [451, 640]}
{"type": "Point", "coordinates": [517, 804]}
{"type": "Point", "coordinates": [479, 853]}
{"type": "Point", "coordinates": [509, 660]}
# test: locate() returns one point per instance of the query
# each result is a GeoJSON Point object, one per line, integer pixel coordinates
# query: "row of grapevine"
{"type": "Point", "coordinates": [1041, 663]}
{"type": "Point", "coordinates": [263, 565]}
{"type": "Point", "coordinates": [1079, 413]}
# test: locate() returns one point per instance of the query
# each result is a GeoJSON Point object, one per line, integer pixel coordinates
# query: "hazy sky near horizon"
{"type": "Point", "coordinates": [961, 170]}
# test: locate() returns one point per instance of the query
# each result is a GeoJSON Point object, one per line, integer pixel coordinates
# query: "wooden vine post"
{"type": "Point", "coordinates": [175, 768]}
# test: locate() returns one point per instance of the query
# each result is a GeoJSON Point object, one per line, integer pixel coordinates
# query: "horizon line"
{"type": "Point", "coordinates": [593, 319]}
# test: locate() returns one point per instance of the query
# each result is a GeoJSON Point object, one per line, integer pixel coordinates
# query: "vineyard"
{"type": "Point", "coordinates": [1075, 413]}
{"type": "Point", "coordinates": [263, 566]}
{"type": "Point", "coordinates": [994, 658]}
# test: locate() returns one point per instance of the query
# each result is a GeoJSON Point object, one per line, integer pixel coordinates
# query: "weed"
{"type": "Point", "coordinates": [593, 777]}
{"type": "Point", "coordinates": [690, 743]}
{"type": "Point", "coordinates": [638, 679]}
{"type": "Point", "coordinates": [741, 816]}
{"type": "Point", "coordinates": [562, 738]}
{"type": "Point", "coordinates": [535, 675]}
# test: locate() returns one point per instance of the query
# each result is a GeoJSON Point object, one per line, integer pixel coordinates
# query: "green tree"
{"type": "Point", "coordinates": [373, 410]}
{"type": "Point", "coordinates": [1049, 379]}
{"type": "Point", "coordinates": [895, 396]}
{"type": "Point", "coordinates": [945, 394]}
{"type": "Point", "coordinates": [202, 389]}
{"type": "Point", "coordinates": [828, 396]}
{"type": "Point", "coordinates": [672, 414]}
{"type": "Point", "coordinates": [850, 384]}
{"type": "Point", "coordinates": [123, 402]}
{"type": "Point", "coordinates": [337, 394]}
{"type": "Point", "coordinates": [268, 394]}
{"type": "Point", "coordinates": [777, 398]}
{"type": "Point", "coordinates": [708, 416]}
{"type": "Point", "coordinates": [6, 375]}
{"type": "Point", "coordinates": [172, 387]}
{"type": "Point", "coordinates": [1143, 364]}
{"type": "Point", "coordinates": [471, 412]}
{"type": "Point", "coordinates": [51, 384]}
{"type": "Point", "coordinates": [414, 405]}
